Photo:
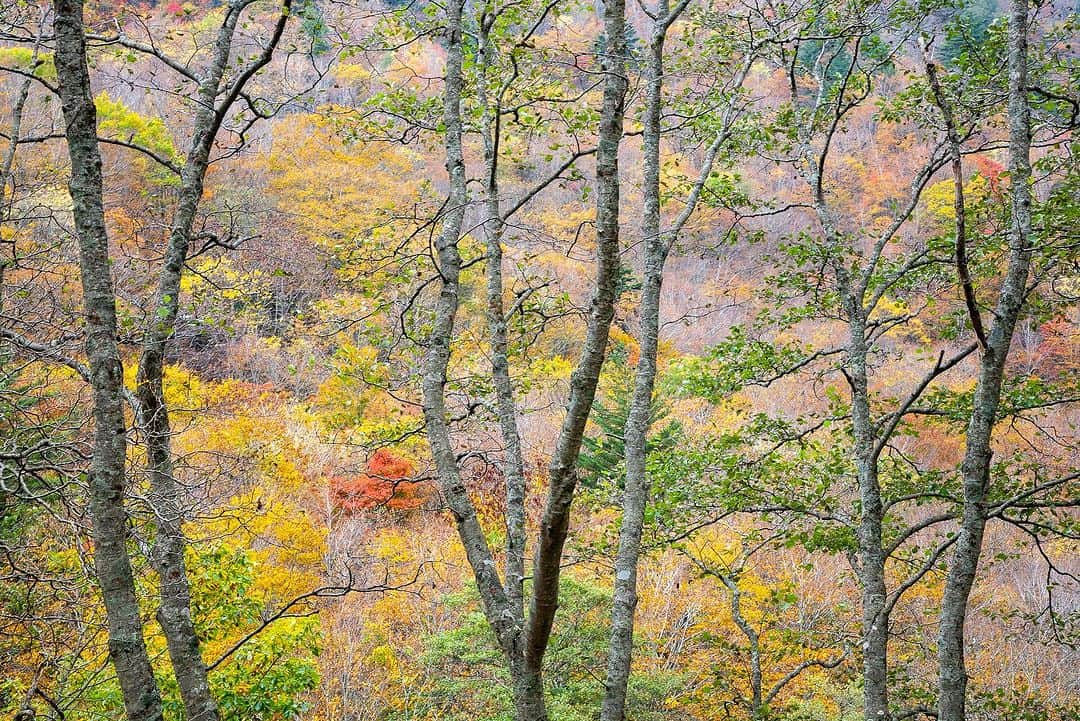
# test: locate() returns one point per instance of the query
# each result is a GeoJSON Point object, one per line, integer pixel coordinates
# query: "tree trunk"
{"type": "Point", "coordinates": [753, 639]}
{"type": "Point", "coordinates": [562, 471]}
{"type": "Point", "coordinates": [528, 690]}
{"type": "Point", "coordinates": [174, 613]}
{"type": "Point", "coordinates": [529, 703]}
{"type": "Point", "coordinates": [637, 483]}
{"type": "Point", "coordinates": [975, 469]}
{"type": "Point", "coordinates": [657, 246]}
{"type": "Point", "coordinates": [875, 616]}
{"type": "Point", "coordinates": [871, 550]}
{"type": "Point", "coordinates": [127, 649]}
{"type": "Point", "coordinates": [513, 465]}
{"type": "Point", "coordinates": [523, 643]}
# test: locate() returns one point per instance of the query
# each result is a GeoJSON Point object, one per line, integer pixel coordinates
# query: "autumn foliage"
{"type": "Point", "coordinates": [328, 578]}
{"type": "Point", "coordinates": [386, 483]}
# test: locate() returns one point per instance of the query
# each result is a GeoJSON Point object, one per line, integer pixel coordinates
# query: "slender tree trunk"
{"type": "Point", "coordinates": [522, 642]}
{"type": "Point", "coordinates": [754, 641]}
{"type": "Point", "coordinates": [637, 482]}
{"type": "Point", "coordinates": [513, 461]}
{"type": "Point", "coordinates": [513, 466]}
{"type": "Point", "coordinates": [528, 691]}
{"type": "Point", "coordinates": [174, 613]}
{"type": "Point", "coordinates": [956, 160]}
{"type": "Point", "coordinates": [7, 204]}
{"type": "Point", "coordinates": [528, 686]}
{"type": "Point", "coordinates": [15, 133]}
{"type": "Point", "coordinates": [871, 549]}
{"type": "Point", "coordinates": [166, 496]}
{"type": "Point", "coordinates": [875, 616]}
{"type": "Point", "coordinates": [975, 468]}
{"type": "Point", "coordinates": [562, 471]}
{"type": "Point", "coordinates": [127, 649]}
{"type": "Point", "coordinates": [657, 246]}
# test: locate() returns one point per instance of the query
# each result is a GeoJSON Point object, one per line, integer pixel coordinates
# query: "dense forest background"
{"type": "Point", "coordinates": [539, 359]}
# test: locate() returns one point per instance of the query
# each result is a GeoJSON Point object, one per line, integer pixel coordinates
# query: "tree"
{"type": "Point", "coordinates": [871, 278]}
{"type": "Point", "coordinates": [658, 244]}
{"type": "Point", "coordinates": [991, 377]}
{"type": "Point", "coordinates": [522, 636]}
{"type": "Point", "coordinates": [127, 649]}
{"type": "Point", "coordinates": [769, 669]}
{"type": "Point", "coordinates": [175, 611]}
{"type": "Point", "coordinates": [151, 412]}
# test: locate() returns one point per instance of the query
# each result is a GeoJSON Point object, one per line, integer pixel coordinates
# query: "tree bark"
{"type": "Point", "coordinates": [562, 471]}
{"type": "Point", "coordinates": [127, 648]}
{"type": "Point", "coordinates": [522, 641]}
{"type": "Point", "coordinates": [975, 468]}
{"type": "Point", "coordinates": [637, 482]}
{"type": "Point", "coordinates": [871, 551]}
{"type": "Point", "coordinates": [174, 613]}
{"type": "Point", "coordinates": [875, 612]}
{"type": "Point", "coordinates": [437, 358]}
{"type": "Point", "coordinates": [7, 205]}
{"type": "Point", "coordinates": [956, 161]}
{"type": "Point", "coordinates": [513, 465]}
{"type": "Point", "coordinates": [658, 244]}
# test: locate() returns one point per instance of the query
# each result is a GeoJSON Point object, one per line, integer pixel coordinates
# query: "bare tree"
{"type": "Point", "coordinates": [218, 87]}
{"type": "Point", "coordinates": [728, 573]}
{"type": "Point", "coordinates": [215, 97]}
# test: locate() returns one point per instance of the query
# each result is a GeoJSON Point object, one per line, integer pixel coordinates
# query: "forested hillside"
{"type": "Point", "coordinates": [540, 360]}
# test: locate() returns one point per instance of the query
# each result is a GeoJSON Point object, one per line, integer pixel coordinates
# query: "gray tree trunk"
{"type": "Point", "coordinates": [872, 556]}
{"type": "Point", "coordinates": [852, 292]}
{"type": "Point", "coordinates": [174, 613]}
{"type": "Point", "coordinates": [127, 649]}
{"type": "Point", "coordinates": [513, 465]}
{"type": "Point", "coordinates": [528, 687]}
{"type": "Point", "coordinates": [562, 471]}
{"type": "Point", "coordinates": [975, 469]}
{"type": "Point", "coordinates": [522, 642]}
{"type": "Point", "coordinates": [658, 244]}
{"type": "Point", "coordinates": [871, 551]}
{"type": "Point", "coordinates": [8, 164]}
{"type": "Point", "coordinates": [528, 691]}
{"type": "Point", "coordinates": [637, 484]}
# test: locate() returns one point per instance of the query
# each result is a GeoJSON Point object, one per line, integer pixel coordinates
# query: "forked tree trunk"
{"type": "Point", "coordinates": [975, 469]}
{"type": "Point", "coordinates": [522, 640]}
{"type": "Point", "coordinates": [528, 697]}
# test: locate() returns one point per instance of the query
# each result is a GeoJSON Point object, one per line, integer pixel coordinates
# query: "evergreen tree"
{"type": "Point", "coordinates": [601, 461]}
